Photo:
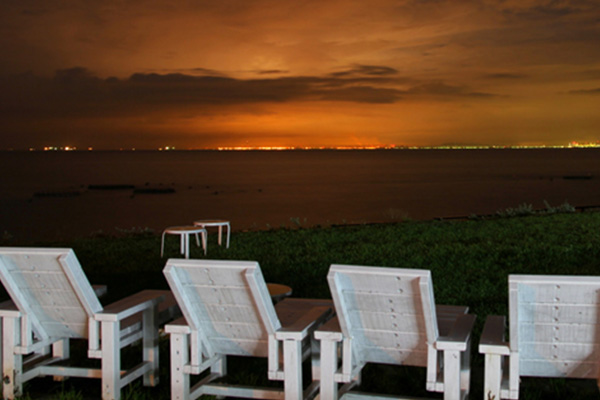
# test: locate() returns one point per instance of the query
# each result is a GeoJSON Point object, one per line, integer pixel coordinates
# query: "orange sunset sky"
{"type": "Point", "coordinates": [206, 74]}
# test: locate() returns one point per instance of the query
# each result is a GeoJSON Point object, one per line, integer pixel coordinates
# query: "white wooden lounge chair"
{"type": "Point", "coordinates": [388, 316]}
{"type": "Point", "coordinates": [53, 302]}
{"type": "Point", "coordinates": [554, 329]}
{"type": "Point", "coordinates": [228, 311]}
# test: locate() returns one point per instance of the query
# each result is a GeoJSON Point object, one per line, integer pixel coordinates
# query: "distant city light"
{"type": "Point", "coordinates": [570, 145]}
{"type": "Point", "coordinates": [56, 148]}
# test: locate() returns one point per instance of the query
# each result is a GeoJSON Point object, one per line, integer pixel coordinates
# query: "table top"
{"type": "Point", "coordinates": [211, 222]}
{"type": "Point", "coordinates": [184, 229]}
{"type": "Point", "coordinates": [278, 291]}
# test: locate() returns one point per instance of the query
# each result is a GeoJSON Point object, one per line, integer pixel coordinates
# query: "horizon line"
{"type": "Point", "coordinates": [570, 145]}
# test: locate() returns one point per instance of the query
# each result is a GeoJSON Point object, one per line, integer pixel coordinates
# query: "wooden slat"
{"type": "Point", "coordinates": [397, 340]}
{"type": "Point", "coordinates": [205, 272]}
{"type": "Point", "coordinates": [393, 356]}
{"type": "Point", "coordinates": [381, 285]}
{"type": "Point", "coordinates": [42, 276]}
{"type": "Point", "coordinates": [560, 352]}
{"type": "Point", "coordinates": [559, 333]}
{"type": "Point", "coordinates": [558, 369]}
{"type": "Point", "coordinates": [61, 314]}
{"type": "Point", "coordinates": [554, 279]}
{"type": "Point", "coordinates": [32, 259]}
{"type": "Point", "coordinates": [558, 312]}
{"type": "Point", "coordinates": [241, 347]}
{"type": "Point", "coordinates": [231, 312]}
{"type": "Point", "coordinates": [71, 330]}
{"type": "Point", "coordinates": [564, 293]}
{"type": "Point", "coordinates": [235, 330]}
{"type": "Point", "coordinates": [60, 298]}
{"type": "Point", "coordinates": [215, 313]}
{"type": "Point", "coordinates": [367, 301]}
{"type": "Point", "coordinates": [221, 295]}
{"type": "Point", "coordinates": [396, 321]}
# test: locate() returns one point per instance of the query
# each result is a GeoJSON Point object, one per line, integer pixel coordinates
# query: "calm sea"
{"type": "Point", "coordinates": [50, 195]}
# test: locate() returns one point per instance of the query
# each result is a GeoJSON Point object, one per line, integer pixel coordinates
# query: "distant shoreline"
{"type": "Point", "coordinates": [294, 149]}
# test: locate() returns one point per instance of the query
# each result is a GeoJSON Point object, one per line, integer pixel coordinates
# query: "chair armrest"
{"type": "Point", "coordinates": [330, 330]}
{"type": "Point", "coordinates": [9, 309]}
{"type": "Point", "coordinates": [446, 317]}
{"type": "Point", "coordinates": [128, 306]}
{"type": "Point", "coordinates": [459, 335]}
{"type": "Point", "coordinates": [178, 326]}
{"type": "Point", "coordinates": [330, 334]}
{"type": "Point", "coordinates": [492, 337]}
{"type": "Point", "coordinates": [305, 325]}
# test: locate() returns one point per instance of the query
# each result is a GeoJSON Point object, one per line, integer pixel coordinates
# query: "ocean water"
{"type": "Point", "coordinates": [53, 195]}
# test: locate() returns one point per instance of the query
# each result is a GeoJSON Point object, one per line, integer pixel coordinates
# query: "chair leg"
{"type": "Point", "coordinates": [328, 367]}
{"type": "Point", "coordinates": [493, 376]}
{"type": "Point", "coordinates": [111, 361]}
{"type": "Point", "coordinates": [12, 364]}
{"type": "Point", "coordinates": [180, 356]}
{"type": "Point", "coordinates": [452, 374]}
{"type": "Point", "coordinates": [61, 350]}
{"type": "Point", "coordinates": [292, 369]}
{"type": "Point", "coordinates": [150, 345]}
{"type": "Point", "coordinates": [162, 245]}
{"type": "Point", "coordinates": [465, 371]}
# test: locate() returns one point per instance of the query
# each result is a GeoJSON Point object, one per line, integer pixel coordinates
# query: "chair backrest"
{"type": "Point", "coordinates": [555, 325]}
{"type": "Point", "coordinates": [49, 287]}
{"type": "Point", "coordinates": [226, 305]}
{"type": "Point", "coordinates": [388, 312]}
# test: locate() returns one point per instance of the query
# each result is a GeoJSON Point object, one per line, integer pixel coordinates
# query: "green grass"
{"type": "Point", "coordinates": [470, 261]}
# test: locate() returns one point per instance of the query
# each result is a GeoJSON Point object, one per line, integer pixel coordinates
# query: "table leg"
{"type": "Point", "coordinates": [183, 247]}
{"type": "Point", "coordinates": [228, 233]}
{"type": "Point", "coordinates": [204, 240]}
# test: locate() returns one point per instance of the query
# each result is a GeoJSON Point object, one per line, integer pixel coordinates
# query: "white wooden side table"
{"type": "Point", "coordinates": [184, 232]}
{"type": "Point", "coordinates": [220, 223]}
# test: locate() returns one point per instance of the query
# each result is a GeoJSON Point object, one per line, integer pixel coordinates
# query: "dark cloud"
{"type": "Point", "coordinates": [271, 72]}
{"type": "Point", "coordinates": [363, 94]}
{"type": "Point", "coordinates": [78, 92]}
{"type": "Point", "coordinates": [369, 70]}
{"type": "Point", "coordinates": [547, 8]}
{"type": "Point", "coordinates": [442, 89]}
{"type": "Point", "coordinates": [592, 73]}
{"type": "Point", "coordinates": [34, 12]}
{"type": "Point", "coordinates": [595, 91]}
{"type": "Point", "coordinates": [505, 75]}
{"type": "Point", "coordinates": [75, 75]}
{"type": "Point", "coordinates": [202, 71]}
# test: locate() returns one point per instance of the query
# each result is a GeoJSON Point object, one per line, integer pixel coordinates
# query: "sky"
{"type": "Point", "coordinates": [259, 73]}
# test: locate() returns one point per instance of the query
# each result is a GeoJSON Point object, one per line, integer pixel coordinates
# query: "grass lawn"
{"type": "Point", "coordinates": [470, 262]}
